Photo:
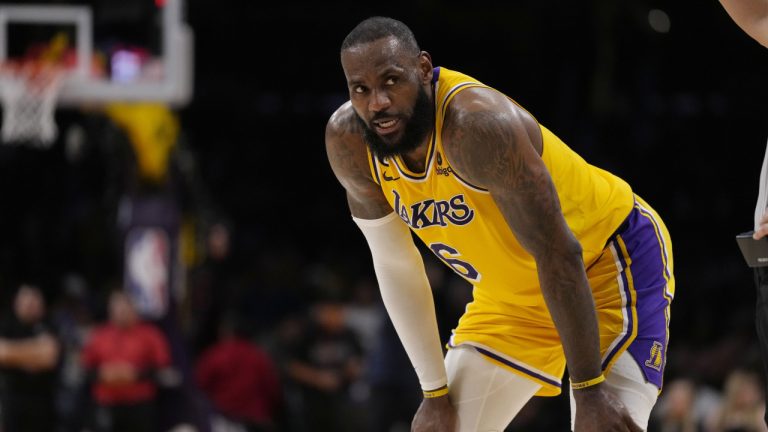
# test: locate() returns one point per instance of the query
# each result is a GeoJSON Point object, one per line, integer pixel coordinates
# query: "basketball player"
{"type": "Point", "coordinates": [752, 17]}
{"type": "Point", "coordinates": [566, 262]}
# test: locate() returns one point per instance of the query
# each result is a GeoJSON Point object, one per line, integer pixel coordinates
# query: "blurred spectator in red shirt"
{"type": "Point", "coordinates": [240, 379]}
{"type": "Point", "coordinates": [28, 357]}
{"type": "Point", "coordinates": [123, 358]}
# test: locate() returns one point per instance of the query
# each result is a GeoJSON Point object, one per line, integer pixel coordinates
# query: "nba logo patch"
{"type": "Point", "coordinates": [147, 270]}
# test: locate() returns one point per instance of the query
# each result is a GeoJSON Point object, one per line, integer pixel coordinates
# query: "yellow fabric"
{"type": "Point", "coordinates": [55, 49]}
{"type": "Point", "coordinates": [152, 130]}
{"type": "Point", "coordinates": [189, 247]}
{"type": "Point", "coordinates": [463, 226]}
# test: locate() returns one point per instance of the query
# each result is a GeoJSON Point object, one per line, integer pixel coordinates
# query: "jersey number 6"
{"type": "Point", "coordinates": [449, 256]}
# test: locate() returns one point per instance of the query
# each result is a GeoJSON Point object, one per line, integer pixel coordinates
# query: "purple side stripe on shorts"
{"type": "Point", "coordinates": [644, 243]}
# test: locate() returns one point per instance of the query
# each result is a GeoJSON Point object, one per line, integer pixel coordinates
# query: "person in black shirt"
{"type": "Point", "coordinates": [28, 357]}
{"type": "Point", "coordinates": [325, 362]}
{"type": "Point", "coordinates": [752, 17]}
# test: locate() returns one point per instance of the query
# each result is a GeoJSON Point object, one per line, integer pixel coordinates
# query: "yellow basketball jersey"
{"type": "Point", "coordinates": [462, 225]}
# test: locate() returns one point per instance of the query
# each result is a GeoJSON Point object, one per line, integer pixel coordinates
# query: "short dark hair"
{"type": "Point", "coordinates": [376, 28]}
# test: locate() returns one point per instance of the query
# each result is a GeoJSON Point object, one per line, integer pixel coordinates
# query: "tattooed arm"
{"type": "Point", "coordinates": [497, 145]}
{"type": "Point", "coordinates": [349, 161]}
{"type": "Point", "coordinates": [399, 268]}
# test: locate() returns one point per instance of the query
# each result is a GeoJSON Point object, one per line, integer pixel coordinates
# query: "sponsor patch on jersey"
{"type": "Point", "coordinates": [439, 168]}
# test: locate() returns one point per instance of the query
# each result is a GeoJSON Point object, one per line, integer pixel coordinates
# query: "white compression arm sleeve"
{"type": "Point", "coordinates": [407, 296]}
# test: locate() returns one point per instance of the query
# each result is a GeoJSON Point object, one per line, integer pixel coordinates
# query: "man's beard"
{"type": "Point", "coordinates": [418, 126]}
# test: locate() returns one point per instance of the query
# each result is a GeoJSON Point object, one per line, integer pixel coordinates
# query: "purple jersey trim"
{"type": "Point", "coordinates": [643, 238]}
{"type": "Point", "coordinates": [517, 367]}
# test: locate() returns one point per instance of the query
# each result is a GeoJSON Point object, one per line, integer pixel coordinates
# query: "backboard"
{"type": "Point", "coordinates": [119, 50]}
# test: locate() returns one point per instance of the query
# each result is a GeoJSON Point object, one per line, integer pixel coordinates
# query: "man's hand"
{"type": "Point", "coordinates": [435, 415]}
{"type": "Point", "coordinates": [762, 229]}
{"type": "Point", "coordinates": [598, 409]}
{"type": "Point", "coordinates": [34, 354]}
{"type": "Point", "coordinates": [328, 381]}
{"type": "Point", "coordinates": [117, 373]}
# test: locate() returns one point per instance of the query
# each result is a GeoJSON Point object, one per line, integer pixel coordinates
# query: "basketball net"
{"type": "Point", "coordinates": [28, 93]}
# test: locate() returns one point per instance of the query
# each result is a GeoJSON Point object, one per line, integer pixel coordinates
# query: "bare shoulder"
{"type": "Point", "coordinates": [343, 121]}
{"type": "Point", "coordinates": [348, 156]}
{"type": "Point", "coordinates": [345, 146]}
{"type": "Point", "coordinates": [484, 131]}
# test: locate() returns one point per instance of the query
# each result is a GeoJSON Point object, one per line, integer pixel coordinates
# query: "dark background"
{"type": "Point", "coordinates": [682, 116]}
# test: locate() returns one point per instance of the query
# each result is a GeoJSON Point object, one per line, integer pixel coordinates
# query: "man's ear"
{"type": "Point", "coordinates": [425, 65]}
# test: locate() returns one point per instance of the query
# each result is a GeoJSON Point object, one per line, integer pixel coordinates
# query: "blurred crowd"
{"type": "Point", "coordinates": [125, 308]}
{"type": "Point", "coordinates": [128, 304]}
{"type": "Point", "coordinates": [153, 281]}
{"type": "Point", "coordinates": [326, 359]}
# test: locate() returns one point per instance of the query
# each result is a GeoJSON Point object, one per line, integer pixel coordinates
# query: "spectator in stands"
{"type": "Point", "coordinates": [71, 316]}
{"type": "Point", "coordinates": [124, 358]}
{"type": "Point", "coordinates": [240, 379]}
{"type": "Point", "coordinates": [742, 407]}
{"type": "Point", "coordinates": [212, 288]}
{"type": "Point", "coordinates": [395, 390]}
{"type": "Point", "coordinates": [324, 364]}
{"type": "Point", "coordinates": [675, 411]}
{"type": "Point", "coordinates": [29, 354]}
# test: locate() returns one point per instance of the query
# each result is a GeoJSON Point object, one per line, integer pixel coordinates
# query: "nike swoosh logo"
{"type": "Point", "coordinates": [387, 177]}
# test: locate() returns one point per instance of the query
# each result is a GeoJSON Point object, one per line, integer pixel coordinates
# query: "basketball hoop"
{"type": "Point", "coordinates": [28, 93]}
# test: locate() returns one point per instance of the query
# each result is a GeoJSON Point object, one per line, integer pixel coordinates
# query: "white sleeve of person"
{"type": "Point", "coordinates": [407, 296]}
